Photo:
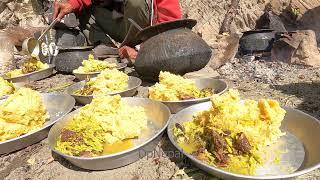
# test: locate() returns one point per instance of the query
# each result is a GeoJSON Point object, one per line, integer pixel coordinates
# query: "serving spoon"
{"type": "Point", "coordinates": [30, 46]}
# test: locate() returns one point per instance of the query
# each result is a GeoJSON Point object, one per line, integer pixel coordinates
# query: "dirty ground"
{"type": "Point", "coordinates": [292, 85]}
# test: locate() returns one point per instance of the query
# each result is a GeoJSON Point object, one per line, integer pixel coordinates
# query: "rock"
{"type": "Point", "coordinates": [307, 53]}
{"type": "Point", "coordinates": [6, 54]}
{"type": "Point", "coordinates": [269, 20]}
{"type": "Point", "coordinates": [210, 15]}
{"type": "Point", "coordinates": [226, 47]}
{"type": "Point", "coordinates": [11, 6]}
{"type": "Point", "coordinates": [311, 20]}
{"type": "Point", "coordinates": [299, 14]}
{"type": "Point", "coordinates": [17, 34]}
{"type": "Point", "coordinates": [13, 13]}
{"type": "Point", "coordinates": [7, 18]}
{"type": "Point", "coordinates": [298, 48]}
{"type": "Point", "coordinates": [2, 6]}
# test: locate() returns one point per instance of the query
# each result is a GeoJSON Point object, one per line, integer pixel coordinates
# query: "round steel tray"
{"type": "Point", "coordinates": [34, 76]}
{"type": "Point", "coordinates": [219, 87]}
{"type": "Point", "coordinates": [57, 106]}
{"type": "Point", "coordinates": [157, 114]}
{"type": "Point", "coordinates": [300, 146]}
{"type": "Point", "coordinates": [83, 76]}
{"type": "Point", "coordinates": [133, 84]}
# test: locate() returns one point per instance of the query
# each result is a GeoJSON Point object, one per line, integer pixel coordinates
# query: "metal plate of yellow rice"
{"type": "Point", "coordinates": [293, 154]}
{"type": "Point", "coordinates": [157, 120]}
{"type": "Point", "coordinates": [57, 105]}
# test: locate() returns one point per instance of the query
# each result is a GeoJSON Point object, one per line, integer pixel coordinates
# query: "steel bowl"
{"type": "Point", "coordinates": [133, 84]}
{"type": "Point", "coordinates": [158, 115]}
{"type": "Point", "coordinates": [33, 76]}
{"type": "Point", "coordinates": [84, 76]}
{"type": "Point", "coordinates": [57, 105]}
{"type": "Point", "coordinates": [300, 146]}
{"type": "Point", "coordinates": [218, 86]}
{"type": "Point", "coordinates": [31, 46]}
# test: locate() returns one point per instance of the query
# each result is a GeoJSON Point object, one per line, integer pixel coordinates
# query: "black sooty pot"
{"type": "Point", "coordinates": [177, 50]}
{"type": "Point", "coordinates": [72, 50]}
{"type": "Point", "coordinates": [256, 41]}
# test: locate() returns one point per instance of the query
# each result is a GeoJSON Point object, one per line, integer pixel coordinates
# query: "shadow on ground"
{"type": "Point", "coordinates": [66, 163]}
{"type": "Point", "coordinates": [308, 92]}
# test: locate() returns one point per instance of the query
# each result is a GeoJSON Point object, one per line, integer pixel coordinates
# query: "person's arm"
{"type": "Point", "coordinates": [164, 10]}
{"type": "Point", "coordinates": [64, 7]}
{"type": "Point", "coordinates": [167, 10]}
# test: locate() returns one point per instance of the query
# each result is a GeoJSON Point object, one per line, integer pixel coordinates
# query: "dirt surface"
{"type": "Point", "coordinates": [292, 85]}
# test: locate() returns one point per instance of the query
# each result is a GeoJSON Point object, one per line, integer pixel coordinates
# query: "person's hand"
{"type": "Point", "coordinates": [128, 53]}
{"type": "Point", "coordinates": [61, 8]}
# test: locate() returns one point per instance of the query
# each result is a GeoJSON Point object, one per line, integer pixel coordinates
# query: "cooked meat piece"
{"type": "Point", "coordinates": [86, 90]}
{"type": "Point", "coordinates": [198, 151]}
{"type": "Point", "coordinates": [226, 132]}
{"type": "Point", "coordinates": [86, 154]}
{"type": "Point", "coordinates": [242, 144]}
{"type": "Point", "coordinates": [67, 135]}
{"type": "Point", "coordinates": [200, 155]}
{"type": "Point", "coordinates": [28, 69]}
{"type": "Point", "coordinates": [71, 136]}
{"type": "Point", "coordinates": [221, 158]}
{"type": "Point", "coordinates": [186, 97]}
{"type": "Point", "coordinates": [217, 141]}
{"type": "Point", "coordinates": [217, 146]}
{"type": "Point", "coordinates": [179, 126]}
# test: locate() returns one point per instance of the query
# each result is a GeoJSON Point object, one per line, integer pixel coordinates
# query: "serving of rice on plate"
{"type": "Point", "coordinates": [233, 133]}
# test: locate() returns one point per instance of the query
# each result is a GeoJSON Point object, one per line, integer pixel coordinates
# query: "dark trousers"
{"type": "Point", "coordinates": [98, 23]}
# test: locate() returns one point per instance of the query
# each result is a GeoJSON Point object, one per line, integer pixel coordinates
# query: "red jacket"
{"type": "Point", "coordinates": [164, 10]}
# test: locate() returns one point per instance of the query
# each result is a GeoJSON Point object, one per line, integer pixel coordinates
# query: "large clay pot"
{"type": "Point", "coordinates": [178, 51]}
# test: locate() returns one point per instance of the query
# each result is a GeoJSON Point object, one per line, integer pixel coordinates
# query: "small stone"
{"type": "Point", "coordinates": [301, 76]}
{"type": "Point", "coordinates": [248, 58]}
{"type": "Point", "coordinates": [50, 160]}
{"type": "Point", "coordinates": [135, 177]}
{"type": "Point", "coordinates": [11, 6]}
{"type": "Point", "coordinates": [31, 161]}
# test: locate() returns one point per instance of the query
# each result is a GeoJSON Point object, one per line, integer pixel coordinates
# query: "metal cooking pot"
{"type": "Point", "coordinates": [72, 50]}
{"type": "Point", "coordinates": [257, 41]}
{"type": "Point", "coordinates": [71, 58]}
{"type": "Point", "coordinates": [175, 49]}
